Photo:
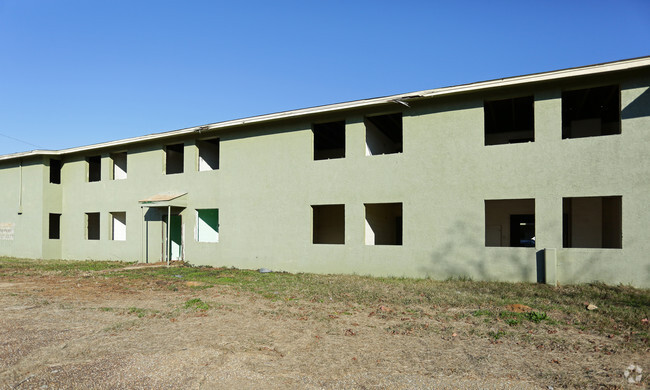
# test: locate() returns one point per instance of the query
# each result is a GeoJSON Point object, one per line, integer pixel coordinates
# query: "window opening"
{"type": "Point", "coordinates": [92, 226]}
{"type": "Point", "coordinates": [207, 225]}
{"type": "Point", "coordinates": [208, 154]}
{"type": "Point", "coordinates": [118, 162]}
{"type": "Point", "coordinates": [55, 171]}
{"type": "Point", "coordinates": [118, 226]}
{"type": "Point", "coordinates": [509, 121]}
{"type": "Point", "coordinates": [384, 224]}
{"type": "Point", "coordinates": [329, 140]}
{"type": "Point", "coordinates": [94, 168]}
{"type": "Point", "coordinates": [510, 222]}
{"type": "Point", "coordinates": [328, 224]}
{"type": "Point", "coordinates": [592, 222]}
{"type": "Point", "coordinates": [591, 112]}
{"type": "Point", "coordinates": [174, 159]}
{"type": "Point", "coordinates": [54, 226]}
{"type": "Point", "coordinates": [384, 134]}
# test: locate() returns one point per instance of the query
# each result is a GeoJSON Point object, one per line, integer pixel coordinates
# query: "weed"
{"type": "Point", "coordinates": [512, 321]}
{"type": "Point", "coordinates": [512, 318]}
{"type": "Point", "coordinates": [496, 335]}
{"type": "Point", "coordinates": [138, 311]}
{"type": "Point", "coordinates": [196, 304]}
{"type": "Point", "coordinates": [536, 317]}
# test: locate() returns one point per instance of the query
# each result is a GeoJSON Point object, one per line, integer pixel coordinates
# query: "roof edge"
{"type": "Point", "coordinates": [606, 67]}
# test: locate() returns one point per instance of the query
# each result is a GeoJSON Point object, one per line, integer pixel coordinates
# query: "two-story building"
{"type": "Point", "coordinates": [543, 177]}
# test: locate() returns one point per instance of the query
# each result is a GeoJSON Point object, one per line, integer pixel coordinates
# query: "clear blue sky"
{"type": "Point", "coordinates": [78, 72]}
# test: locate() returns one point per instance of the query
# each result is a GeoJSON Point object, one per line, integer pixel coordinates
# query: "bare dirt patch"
{"type": "Point", "coordinates": [93, 330]}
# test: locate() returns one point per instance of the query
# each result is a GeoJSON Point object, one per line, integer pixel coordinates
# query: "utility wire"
{"type": "Point", "coordinates": [20, 140]}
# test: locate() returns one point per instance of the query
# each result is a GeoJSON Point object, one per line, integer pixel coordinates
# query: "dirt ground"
{"type": "Point", "coordinates": [117, 333]}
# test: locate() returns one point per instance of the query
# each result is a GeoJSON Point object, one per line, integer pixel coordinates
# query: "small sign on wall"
{"type": "Point", "coordinates": [7, 231]}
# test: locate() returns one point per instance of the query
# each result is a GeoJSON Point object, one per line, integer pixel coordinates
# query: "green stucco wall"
{"type": "Point", "coordinates": [267, 182]}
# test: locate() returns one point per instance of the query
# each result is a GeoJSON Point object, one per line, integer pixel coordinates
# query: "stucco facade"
{"type": "Point", "coordinates": [443, 195]}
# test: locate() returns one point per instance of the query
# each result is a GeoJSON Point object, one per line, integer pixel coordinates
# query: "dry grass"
{"type": "Point", "coordinates": [303, 330]}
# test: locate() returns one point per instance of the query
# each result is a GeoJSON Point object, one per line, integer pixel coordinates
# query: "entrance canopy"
{"type": "Point", "coordinates": [165, 200]}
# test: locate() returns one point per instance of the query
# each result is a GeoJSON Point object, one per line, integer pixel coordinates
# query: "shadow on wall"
{"type": "Point", "coordinates": [463, 254]}
{"type": "Point", "coordinates": [638, 108]}
{"type": "Point", "coordinates": [600, 266]}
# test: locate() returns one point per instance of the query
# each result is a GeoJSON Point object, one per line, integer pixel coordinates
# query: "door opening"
{"type": "Point", "coordinates": [175, 242]}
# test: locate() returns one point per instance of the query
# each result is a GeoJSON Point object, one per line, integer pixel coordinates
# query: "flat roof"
{"type": "Point", "coordinates": [607, 67]}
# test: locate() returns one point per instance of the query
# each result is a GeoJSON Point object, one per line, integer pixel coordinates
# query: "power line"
{"type": "Point", "coordinates": [20, 140]}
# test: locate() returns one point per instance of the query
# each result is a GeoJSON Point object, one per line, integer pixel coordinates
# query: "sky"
{"type": "Point", "coordinates": [79, 72]}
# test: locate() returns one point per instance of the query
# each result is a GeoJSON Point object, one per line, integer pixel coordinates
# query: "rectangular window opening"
{"type": "Point", "coordinates": [54, 226]}
{"type": "Point", "coordinates": [384, 134]}
{"type": "Point", "coordinates": [118, 166]}
{"type": "Point", "coordinates": [592, 222]}
{"type": "Point", "coordinates": [591, 112]}
{"type": "Point", "coordinates": [92, 226]}
{"type": "Point", "coordinates": [383, 223]}
{"type": "Point", "coordinates": [510, 223]}
{"type": "Point", "coordinates": [174, 159]}
{"type": "Point", "coordinates": [94, 168]}
{"type": "Point", "coordinates": [329, 140]}
{"type": "Point", "coordinates": [55, 171]}
{"type": "Point", "coordinates": [328, 224]}
{"type": "Point", "coordinates": [118, 226]}
{"type": "Point", "coordinates": [509, 121]}
{"type": "Point", "coordinates": [208, 154]}
{"type": "Point", "coordinates": [207, 225]}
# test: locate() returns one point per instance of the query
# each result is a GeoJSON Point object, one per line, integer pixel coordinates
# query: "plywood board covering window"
{"type": "Point", "coordinates": [592, 222]}
{"type": "Point", "coordinates": [207, 225]}
{"type": "Point", "coordinates": [328, 224]}
{"type": "Point", "coordinates": [208, 154]}
{"type": "Point", "coordinates": [383, 223]}
{"type": "Point", "coordinates": [329, 140]}
{"type": "Point", "coordinates": [92, 226]}
{"type": "Point", "coordinates": [118, 226]}
{"type": "Point", "coordinates": [174, 159]}
{"type": "Point", "coordinates": [118, 162]}
{"type": "Point", "coordinates": [591, 112]}
{"type": "Point", "coordinates": [510, 222]}
{"type": "Point", "coordinates": [384, 134]}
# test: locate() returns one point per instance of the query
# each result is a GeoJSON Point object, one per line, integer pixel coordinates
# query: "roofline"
{"type": "Point", "coordinates": [606, 67]}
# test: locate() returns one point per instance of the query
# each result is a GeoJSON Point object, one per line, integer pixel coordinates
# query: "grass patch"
{"type": "Point", "coordinates": [29, 266]}
{"type": "Point", "coordinates": [620, 308]}
{"type": "Point", "coordinates": [196, 304]}
{"type": "Point", "coordinates": [513, 319]}
{"type": "Point", "coordinates": [496, 335]}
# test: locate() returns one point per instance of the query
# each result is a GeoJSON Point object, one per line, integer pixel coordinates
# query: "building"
{"type": "Point", "coordinates": [544, 177]}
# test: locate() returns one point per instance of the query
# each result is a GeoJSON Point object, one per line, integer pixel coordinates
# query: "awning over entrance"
{"type": "Point", "coordinates": [165, 200]}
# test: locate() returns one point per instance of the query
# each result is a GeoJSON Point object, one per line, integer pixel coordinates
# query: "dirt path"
{"type": "Point", "coordinates": [97, 332]}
